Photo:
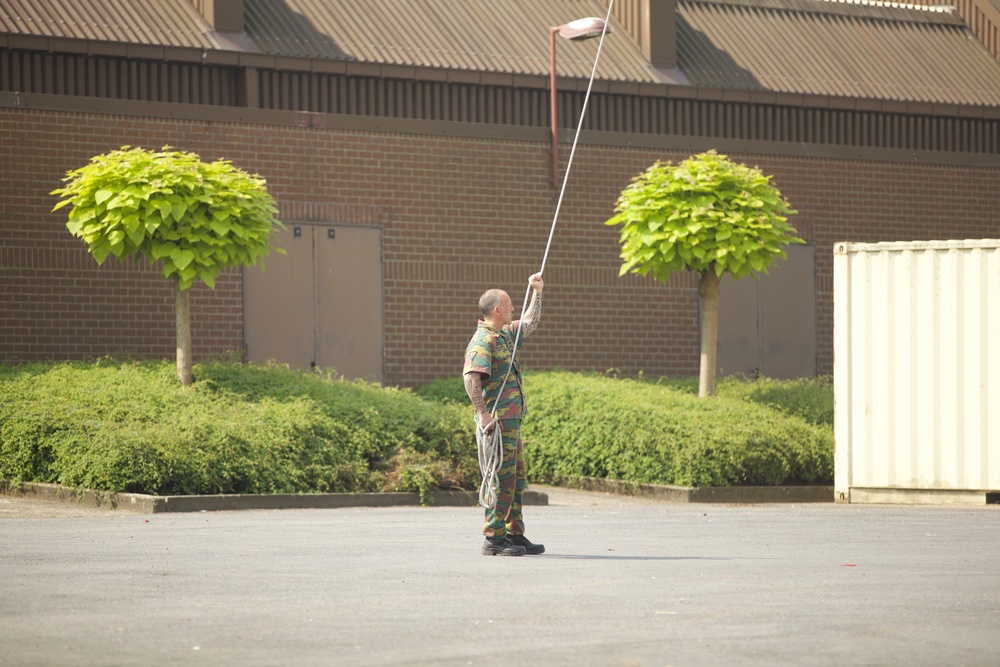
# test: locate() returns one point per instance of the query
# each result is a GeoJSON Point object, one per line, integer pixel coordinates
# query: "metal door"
{"type": "Point", "coordinates": [768, 324]}
{"type": "Point", "coordinates": [279, 313]}
{"type": "Point", "coordinates": [321, 303]}
{"type": "Point", "coordinates": [349, 301]}
{"type": "Point", "coordinates": [788, 316]}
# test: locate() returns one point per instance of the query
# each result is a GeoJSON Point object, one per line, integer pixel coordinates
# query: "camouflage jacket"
{"type": "Point", "coordinates": [489, 353]}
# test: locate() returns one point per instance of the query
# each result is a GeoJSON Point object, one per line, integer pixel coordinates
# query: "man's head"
{"type": "Point", "coordinates": [496, 307]}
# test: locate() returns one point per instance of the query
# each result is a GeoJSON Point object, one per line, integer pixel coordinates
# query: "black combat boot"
{"type": "Point", "coordinates": [529, 548]}
{"type": "Point", "coordinates": [501, 546]}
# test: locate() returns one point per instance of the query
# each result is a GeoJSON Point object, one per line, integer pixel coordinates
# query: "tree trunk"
{"type": "Point", "coordinates": [182, 311]}
{"type": "Point", "coordinates": [708, 294]}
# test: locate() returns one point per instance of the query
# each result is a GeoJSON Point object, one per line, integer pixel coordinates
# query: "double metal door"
{"type": "Point", "coordinates": [320, 304]}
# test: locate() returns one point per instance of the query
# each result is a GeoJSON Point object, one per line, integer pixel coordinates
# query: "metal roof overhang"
{"type": "Point", "coordinates": [324, 65]}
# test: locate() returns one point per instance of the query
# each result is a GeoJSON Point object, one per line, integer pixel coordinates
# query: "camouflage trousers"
{"type": "Point", "coordinates": [505, 518]}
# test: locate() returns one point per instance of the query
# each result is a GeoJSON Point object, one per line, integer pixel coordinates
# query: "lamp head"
{"type": "Point", "coordinates": [583, 28]}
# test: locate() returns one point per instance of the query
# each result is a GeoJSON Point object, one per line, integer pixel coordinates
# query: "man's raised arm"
{"type": "Point", "coordinates": [534, 310]}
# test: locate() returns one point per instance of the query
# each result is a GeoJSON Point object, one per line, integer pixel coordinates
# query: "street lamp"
{"type": "Point", "coordinates": [574, 30]}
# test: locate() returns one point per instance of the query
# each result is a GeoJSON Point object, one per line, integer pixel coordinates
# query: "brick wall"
{"type": "Point", "coordinates": [458, 215]}
{"type": "Point", "coordinates": [57, 303]}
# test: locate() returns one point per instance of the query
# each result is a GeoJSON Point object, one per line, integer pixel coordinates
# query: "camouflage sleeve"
{"type": "Point", "coordinates": [479, 356]}
{"type": "Point", "coordinates": [478, 361]}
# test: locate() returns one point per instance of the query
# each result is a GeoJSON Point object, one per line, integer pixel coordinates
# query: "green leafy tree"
{"type": "Point", "coordinates": [195, 217]}
{"type": "Point", "coordinates": [709, 215]}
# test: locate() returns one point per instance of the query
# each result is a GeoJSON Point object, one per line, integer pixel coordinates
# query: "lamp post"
{"type": "Point", "coordinates": [574, 30]}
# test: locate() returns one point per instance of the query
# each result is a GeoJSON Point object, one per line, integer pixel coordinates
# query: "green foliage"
{"type": "Point", "coordinates": [196, 217]}
{"type": "Point", "coordinates": [450, 390]}
{"type": "Point", "coordinates": [705, 214]}
{"type": "Point", "coordinates": [760, 431]}
{"type": "Point", "coordinates": [810, 399]}
{"type": "Point", "coordinates": [126, 426]}
{"type": "Point", "coordinates": [423, 473]}
{"type": "Point", "coordinates": [644, 432]}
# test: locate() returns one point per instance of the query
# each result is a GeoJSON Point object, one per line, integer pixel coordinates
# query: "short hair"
{"type": "Point", "coordinates": [489, 300]}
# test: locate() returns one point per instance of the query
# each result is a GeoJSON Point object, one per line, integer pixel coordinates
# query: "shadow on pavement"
{"type": "Point", "coordinates": [609, 557]}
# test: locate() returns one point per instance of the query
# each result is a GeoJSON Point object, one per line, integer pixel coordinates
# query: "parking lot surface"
{"type": "Point", "coordinates": [623, 582]}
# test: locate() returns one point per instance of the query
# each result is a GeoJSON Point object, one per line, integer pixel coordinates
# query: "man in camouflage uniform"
{"type": "Point", "coordinates": [486, 362]}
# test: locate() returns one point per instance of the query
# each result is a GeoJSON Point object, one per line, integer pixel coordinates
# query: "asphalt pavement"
{"type": "Point", "coordinates": [624, 581]}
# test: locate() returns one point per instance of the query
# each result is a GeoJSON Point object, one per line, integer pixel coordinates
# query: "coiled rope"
{"type": "Point", "coordinates": [490, 443]}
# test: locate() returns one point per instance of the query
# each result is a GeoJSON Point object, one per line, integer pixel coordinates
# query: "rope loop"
{"type": "Point", "coordinates": [490, 446]}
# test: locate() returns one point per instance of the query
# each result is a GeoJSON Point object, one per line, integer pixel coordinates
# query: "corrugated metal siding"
{"type": "Point", "coordinates": [502, 105]}
{"type": "Point", "coordinates": [438, 94]}
{"type": "Point", "coordinates": [161, 22]}
{"type": "Point", "coordinates": [796, 46]}
{"type": "Point", "coordinates": [99, 76]}
{"type": "Point", "coordinates": [420, 100]}
{"type": "Point", "coordinates": [917, 365]}
{"type": "Point", "coordinates": [502, 36]}
{"type": "Point", "coordinates": [117, 78]}
{"type": "Point", "coordinates": [840, 49]}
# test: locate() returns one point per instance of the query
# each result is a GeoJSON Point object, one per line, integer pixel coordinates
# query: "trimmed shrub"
{"type": "Point", "coordinates": [449, 390]}
{"type": "Point", "coordinates": [130, 426]}
{"type": "Point", "coordinates": [808, 398]}
{"type": "Point", "coordinates": [659, 432]}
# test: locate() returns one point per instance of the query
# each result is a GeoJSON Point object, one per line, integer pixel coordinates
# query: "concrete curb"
{"type": "Point", "coordinates": [145, 504]}
{"type": "Point", "coordinates": [708, 494]}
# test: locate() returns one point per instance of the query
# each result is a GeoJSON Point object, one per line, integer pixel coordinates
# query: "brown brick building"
{"type": "Point", "coordinates": [408, 149]}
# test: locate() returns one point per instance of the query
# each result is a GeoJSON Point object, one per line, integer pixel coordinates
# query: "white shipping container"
{"type": "Point", "coordinates": [917, 371]}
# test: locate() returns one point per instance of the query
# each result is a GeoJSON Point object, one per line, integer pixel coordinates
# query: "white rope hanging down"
{"type": "Point", "coordinates": [490, 447]}
{"type": "Point", "coordinates": [490, 444]}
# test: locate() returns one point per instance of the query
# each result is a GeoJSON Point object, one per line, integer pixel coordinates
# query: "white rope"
{"type": "Point", "coordinates": [576, 138]}
{"type": "Point", "coordinates": [491, 445]}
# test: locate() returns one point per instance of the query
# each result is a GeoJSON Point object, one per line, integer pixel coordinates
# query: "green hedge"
{"type": "Point", "coordinates": [130, 426]}
{"type": "Point", "coordinates": [811, 399]}
{"type": "Point", "coordinates": [764, 431]}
